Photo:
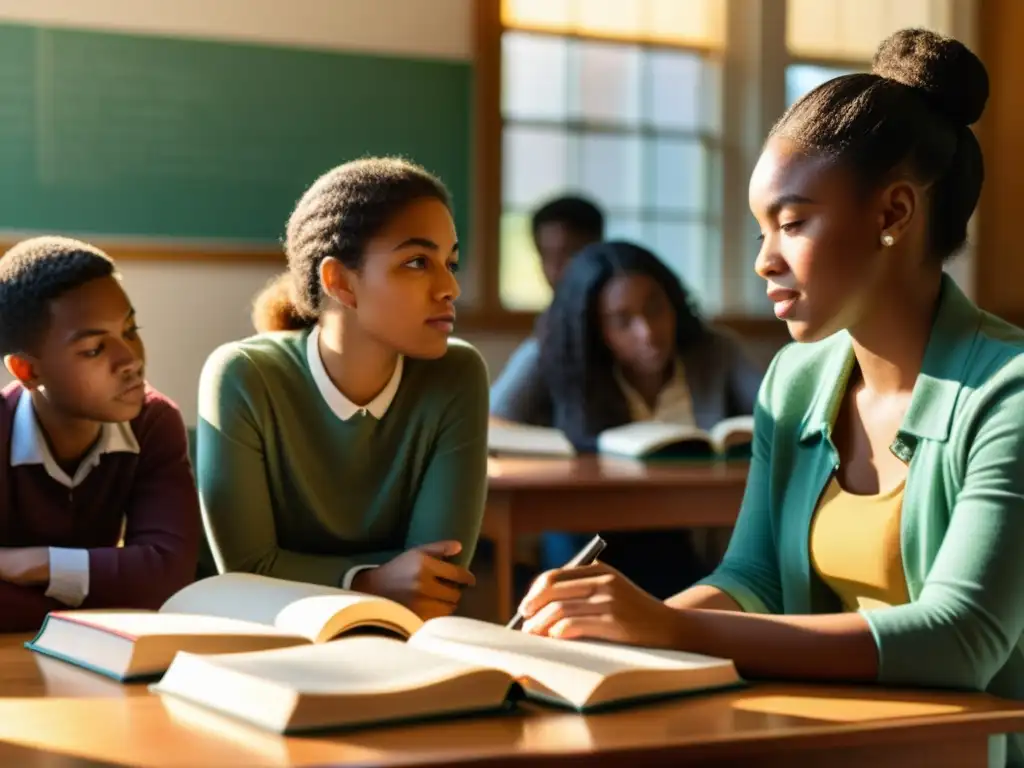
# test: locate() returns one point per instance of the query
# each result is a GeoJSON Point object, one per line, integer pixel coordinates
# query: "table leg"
{"type": "Point", "coordinates": [498, 528]}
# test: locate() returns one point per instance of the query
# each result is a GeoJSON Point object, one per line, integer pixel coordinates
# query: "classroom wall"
{"type": "Point", "coordinates": [187, 308]}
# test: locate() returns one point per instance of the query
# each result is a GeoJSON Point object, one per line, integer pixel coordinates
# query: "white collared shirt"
{"type": "Point", "coordinates": [345, 409]}
{"type": "Point", "coordinates": [69, 568]}
{"type": "Point", "coordinates": [674, 404]}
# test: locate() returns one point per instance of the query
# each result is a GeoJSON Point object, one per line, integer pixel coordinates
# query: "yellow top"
{"type": "Point", "coordinates": [855, 547]}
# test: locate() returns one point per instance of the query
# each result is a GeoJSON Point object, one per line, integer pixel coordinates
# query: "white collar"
{"type": "Point", "coordinates": [28, 445]}
{"type": "Point", "coordinates": [344, 408]}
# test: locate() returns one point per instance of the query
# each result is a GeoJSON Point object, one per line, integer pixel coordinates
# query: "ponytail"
{"type": "Point", "coordinates": [274, 308]}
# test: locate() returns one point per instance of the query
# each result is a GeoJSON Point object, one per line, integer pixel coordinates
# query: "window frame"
{"type": "Point", "coordinates": [755, 59]}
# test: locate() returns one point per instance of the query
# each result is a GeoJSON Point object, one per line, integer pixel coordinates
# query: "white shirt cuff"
{"type": "Point", "coordinates": [346, 582]}
{"type": "Point", "coordinates": [69, 576]}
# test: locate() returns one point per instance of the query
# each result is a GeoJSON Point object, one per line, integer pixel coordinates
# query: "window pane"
{"type": "Point", "coordinates": [625, 228]}
{"type": "Point", "coordinates": [803, 78]}
{"type": "Point", "coordinates": [852, 29]}
{"type": "Point", "coordinates": [534, 76]}
{"type": "Point", "coordinates": [674, 85]}
{"type": "Point", "coordinates": [535, 165]}
{"type": "Point", "coordinates": [680, 174]}
{"type": "Point", "coordinates": [693, 22]}
{"type": "Point", "coordinates": [521, 283]}
{"type": "Point", "coordinates": [546, 14]}
{"type": "Point", "coordinates": [681, 246]}
{"type": "Point", "coordinates": [611, 169]}
{"type": "Point", "coordinates": [609, 83]}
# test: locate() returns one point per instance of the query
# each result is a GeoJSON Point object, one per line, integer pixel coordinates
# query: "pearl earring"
{"type": "Point", "coordinates": [888, 240]}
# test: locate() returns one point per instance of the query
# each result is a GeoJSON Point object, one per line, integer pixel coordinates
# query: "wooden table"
{"type": "Point", "coordinates": [56, 715]}
{"type": "Point", "coordinates": [589, 494]}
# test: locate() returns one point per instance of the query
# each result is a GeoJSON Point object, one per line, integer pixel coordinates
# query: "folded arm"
{"type": "Point", "coordinates": [235, 497]}
{"type": "Point", "coordinates": [23, 608]}
{"type": "Point", "coordinates": [162, 524]}
{"type": "Point", "coordinates": [161, 537]}
{"type": "Point", "coordinates": [450, 500]}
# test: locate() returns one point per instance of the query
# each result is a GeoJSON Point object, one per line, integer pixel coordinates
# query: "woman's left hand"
{"type": "Point", "coordinates": [596, 601]}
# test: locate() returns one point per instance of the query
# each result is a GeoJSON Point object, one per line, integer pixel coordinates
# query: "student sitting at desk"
{"type": "Point", "coordinates": [880, 535]}
{"type": "Point", "coordinates": [623, 342]}
{"type": "Point", "coordinates": [561, 228]}
{"type": "Point", "coordinates": [352, 452]}
{"type": "Point", "coordinates": [98, 506]}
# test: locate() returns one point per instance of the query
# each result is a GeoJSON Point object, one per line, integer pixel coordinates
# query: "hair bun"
{"type": "Point", "coordinates": [952, 78]}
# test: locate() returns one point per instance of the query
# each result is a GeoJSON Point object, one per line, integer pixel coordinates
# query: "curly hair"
{"type": "Point", "coordinates": [336, 217]}
{"type": "Point", "coordinates": [35, 272]}
{"type": "Point", "coordinates": [577, 365]}
{"type": "Point", "coordinates": [910, 115]}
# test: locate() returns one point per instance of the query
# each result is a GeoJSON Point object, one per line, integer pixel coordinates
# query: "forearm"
{"type": "Point", "coordinates": [23, 609]}
{"type": "Point", "coordinates": [703, 597]}
{"type": "Point", "coordinates": [328, 570]}
{"type": "Point", "coordinates": [837, 647]}
{"type": "Point", "coordinates": [139, 575]}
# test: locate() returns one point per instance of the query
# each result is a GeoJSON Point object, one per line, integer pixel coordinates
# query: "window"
{"type": "Point", "coordinates": [828, 38]}
{"type": "Point", "coordinates": [656, 109]}
{"type": "Point", "coordinates": [618, 101]}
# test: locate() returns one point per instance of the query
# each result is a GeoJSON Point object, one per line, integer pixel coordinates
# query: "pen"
{"type": "Point", "coordinates": [585, 556]}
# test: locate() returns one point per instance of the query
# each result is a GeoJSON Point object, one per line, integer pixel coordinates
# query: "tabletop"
{"type": "Point", "coordinates": [54, 714]}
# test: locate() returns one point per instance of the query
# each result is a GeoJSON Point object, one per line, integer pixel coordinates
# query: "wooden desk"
{"type": "Point", "coordinates": [56, 715]}
{"type": "Point", "coordinates": [588, 494]}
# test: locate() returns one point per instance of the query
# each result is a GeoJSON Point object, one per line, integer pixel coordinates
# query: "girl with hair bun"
{"type": "Point", "coordinates": [346, 444]}
{"type": "Point", "coordinates": [879, 538]}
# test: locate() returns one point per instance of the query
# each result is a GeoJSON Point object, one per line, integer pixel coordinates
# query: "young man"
{"type": "Point", "coordinates": [98, 506]}
{"type": "Point", "coordinates": [561, 228]}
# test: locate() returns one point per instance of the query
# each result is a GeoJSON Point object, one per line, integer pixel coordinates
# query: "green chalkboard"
{"type": "Point", "coordinates": [161, 137]}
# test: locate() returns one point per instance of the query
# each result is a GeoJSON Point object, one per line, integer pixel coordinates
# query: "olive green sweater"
{"type": "Point", "coordinates": [298, 483]}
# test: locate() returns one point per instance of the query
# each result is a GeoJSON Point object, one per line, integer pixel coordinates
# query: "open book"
{"type": "Point", "coordinates": [527, 440]}
{"type": "Point", "coordinates": [450, 665]}
{"type": "Point", "coordinates": [638, 440]}
{"type": "Point", "coordinates": [233, 612]}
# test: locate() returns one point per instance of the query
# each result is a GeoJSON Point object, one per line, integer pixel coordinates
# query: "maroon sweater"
{"type": "Point", "coordinates": [152, 493]}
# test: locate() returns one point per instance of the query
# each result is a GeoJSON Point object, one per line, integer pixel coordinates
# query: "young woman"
{"type": "Point", "coordinates": [353, 451]}
{"type": "Point", "coordinates": [622, 342]}
{"type": "Point", "coordinates": [879, 539]}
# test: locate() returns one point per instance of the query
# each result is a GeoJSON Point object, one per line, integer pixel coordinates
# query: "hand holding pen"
{"type": "Point", "coordinates": [585, 556]}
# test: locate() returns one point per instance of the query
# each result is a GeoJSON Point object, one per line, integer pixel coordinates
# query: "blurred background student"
{"type": "Point", "coordinates": [561, 227]}
{"type": "Point", "coordinates": [623, 342]}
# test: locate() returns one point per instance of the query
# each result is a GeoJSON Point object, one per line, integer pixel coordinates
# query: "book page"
{"type": "Point", "coordinates": [355, 665]}
{"type": "Point", "coordinates": [312, 611]}
{"type": "Point", "coordinates": [732, 431]}
{"type": "Point", "coordinates": [570, 670]}
{"type": "Point", "coordinates": [528, 440]}
{"type": "Point", "coordinates": [353, 681]}
{"type": "Point", "coordinates": [643, 437]}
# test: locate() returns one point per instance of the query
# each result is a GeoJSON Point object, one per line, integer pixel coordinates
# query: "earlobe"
{"type": "Point", "coordinates": [22, 369]}
{"type": "Point", "coordinates": [336, 282]}
{"type": "Point", "coordinates": [900, 204]}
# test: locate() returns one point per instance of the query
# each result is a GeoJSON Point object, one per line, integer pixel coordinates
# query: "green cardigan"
{"type": "Point", "coordinates": [962, 534]}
